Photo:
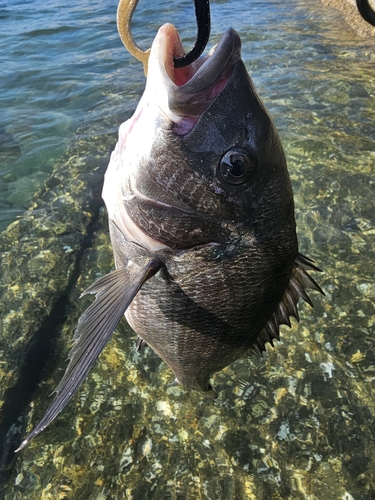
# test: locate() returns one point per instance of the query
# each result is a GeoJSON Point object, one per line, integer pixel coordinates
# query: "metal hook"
{"type": "Point", "coordinates": [125, 13]}
{"type": "Point", "coordinates": [366, 11]}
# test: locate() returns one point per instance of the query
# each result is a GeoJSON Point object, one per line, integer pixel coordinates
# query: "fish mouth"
{"type": "Point", "coordinates": [183, 94]}
{"type": "Point", "coordinates": [167, 221]}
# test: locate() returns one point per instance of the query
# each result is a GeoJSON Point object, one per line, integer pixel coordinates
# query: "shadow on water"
{"type": "Point", "coordinates": [62, 232]}
{"type": "Point", "coordinates": [37, 355]}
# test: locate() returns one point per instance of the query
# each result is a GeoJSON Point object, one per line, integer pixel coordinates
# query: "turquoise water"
{"type": "Point", "coordinates": [55, 64]}
{"type": "Point", "coordinates": [298, 424]}
{"type": "Point", "coordinates": [58, 62]}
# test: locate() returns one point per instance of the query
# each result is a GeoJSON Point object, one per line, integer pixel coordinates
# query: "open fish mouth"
{"type": "Point", "coordinates": [159, 209]}
{"type": "Point", "coordinates": [207, 70]}
{"type": "Point", "coordinates": [185, 93]}
{"type": "Point", "coordinates": [156, 212]}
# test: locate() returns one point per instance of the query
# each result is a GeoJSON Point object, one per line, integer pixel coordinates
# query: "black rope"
{"type": "Point", "coordinates": [366, 11]}
{"type": "Point", "coordinates": [202, 14]}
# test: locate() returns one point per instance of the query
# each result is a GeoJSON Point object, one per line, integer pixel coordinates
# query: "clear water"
{"type": "Point", "coordinates": [299, 424]}
{"type": "Point", "coordinates": [57, 63]}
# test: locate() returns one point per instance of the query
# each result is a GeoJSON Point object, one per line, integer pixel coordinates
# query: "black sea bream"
{"type": "Point", "coordinates": [201, 221]}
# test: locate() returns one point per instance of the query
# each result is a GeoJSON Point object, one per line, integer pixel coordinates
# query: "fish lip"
{"type": "Point", "coordinates": [181, 95]}
{"type": "Point", "coordinates": [190, 90]}
{"type": "Point", "coordinates": [220, 60]}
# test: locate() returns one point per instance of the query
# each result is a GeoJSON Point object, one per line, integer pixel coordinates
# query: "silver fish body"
{"type": "Point", "coordinates": [201, 219]}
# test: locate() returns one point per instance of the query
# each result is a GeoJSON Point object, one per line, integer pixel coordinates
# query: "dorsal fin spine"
{"type": "Point", "coordinates": [299, 281]}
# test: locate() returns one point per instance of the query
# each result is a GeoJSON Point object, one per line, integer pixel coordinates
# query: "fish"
{"type": "Point", "coordinates": [201, 221]}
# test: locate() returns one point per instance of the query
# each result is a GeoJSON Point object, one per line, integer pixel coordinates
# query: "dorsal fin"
{"type": "Point", "coordinates": [296, 289]}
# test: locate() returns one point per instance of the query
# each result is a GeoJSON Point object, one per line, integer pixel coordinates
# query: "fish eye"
{"type": "Point", "coordinates": [236, 166]}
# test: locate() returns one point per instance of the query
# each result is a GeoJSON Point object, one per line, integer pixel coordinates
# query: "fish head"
{"type": "Point", "coordinates": [200, 161]}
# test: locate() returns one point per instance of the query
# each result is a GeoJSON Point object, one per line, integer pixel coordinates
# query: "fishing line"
{"type": "Point", "coordinates": [202, 14]}
{"type": "Point", "coordinates": [366, 11]}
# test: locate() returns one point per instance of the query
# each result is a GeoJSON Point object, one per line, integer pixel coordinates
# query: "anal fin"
{"type": "Point", "coordinates": [140, 344]}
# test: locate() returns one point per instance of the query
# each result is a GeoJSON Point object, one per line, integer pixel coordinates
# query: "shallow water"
{"type": "Point", "coordinates": [298, 423]}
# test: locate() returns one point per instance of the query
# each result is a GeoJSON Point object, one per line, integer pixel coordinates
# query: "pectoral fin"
{"type": "Point", "coordinates": [114, 293]}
